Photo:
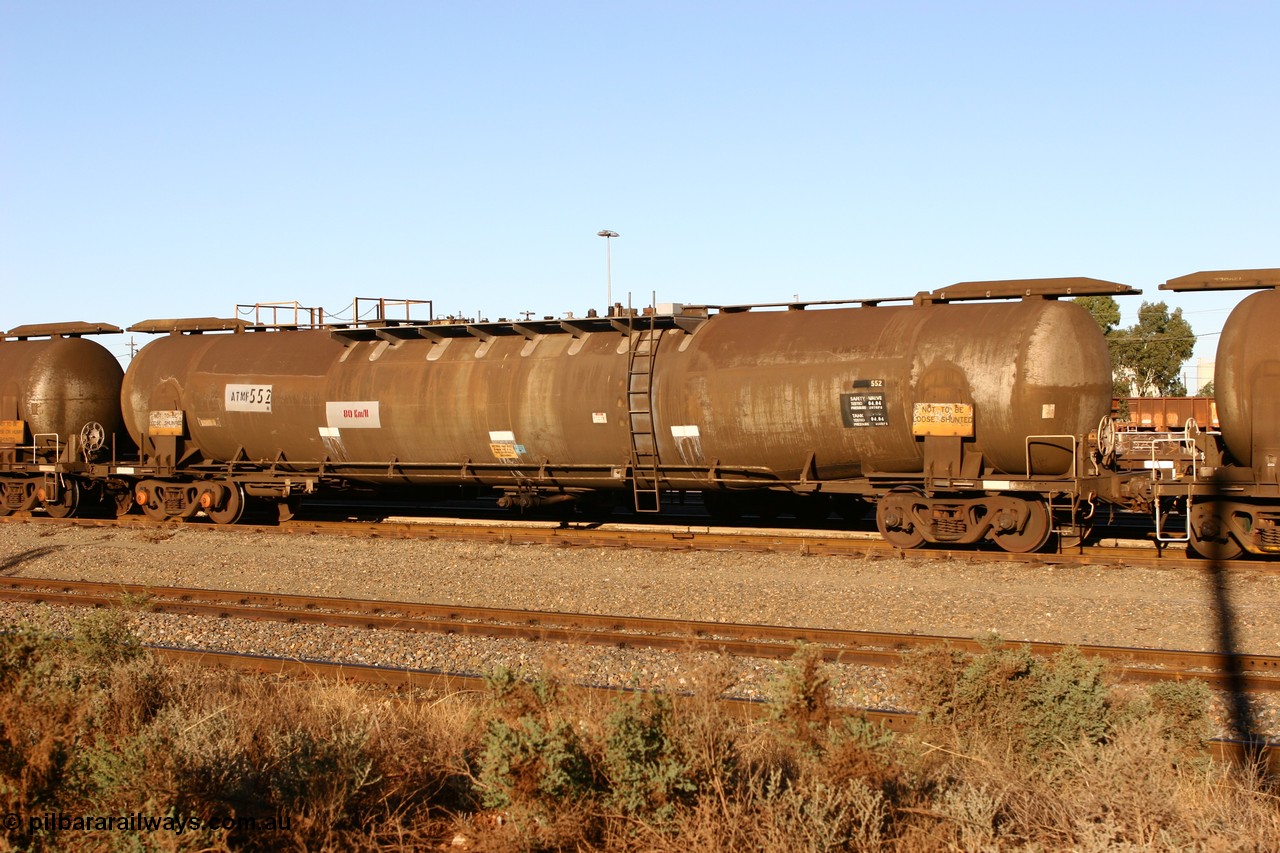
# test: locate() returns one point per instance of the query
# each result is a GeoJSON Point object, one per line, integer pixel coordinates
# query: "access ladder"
{"type": "Point", "coordinates": [644, 446]}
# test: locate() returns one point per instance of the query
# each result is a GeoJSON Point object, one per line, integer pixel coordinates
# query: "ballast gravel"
{"type": "Point", "coordinates": [1172, 608]}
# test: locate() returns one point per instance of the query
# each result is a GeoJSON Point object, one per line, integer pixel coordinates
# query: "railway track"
{"type": "Point", "coordinates": [1264, 756]}
{"type": "Point", "coordinates": [687, 537]}
{"type": "Point", "coordinates": [1259, 674]}
{"type": "Point", "coordinates": [1255, 673]}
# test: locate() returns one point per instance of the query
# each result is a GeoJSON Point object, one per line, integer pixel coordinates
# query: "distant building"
{"type": "Point", "coordinates": [1203, 375]}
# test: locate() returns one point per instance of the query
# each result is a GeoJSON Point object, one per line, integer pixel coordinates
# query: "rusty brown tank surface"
{"type": "Point", "coordinates": [309, 395]}
{"type": "Point", "coordinates": [58, 383]}
{"type": "Point", "coordinates": [1246, 381]}
{"type": "Point", "coordinates": [770, 388]}
{"type": "Point", "coordinates": [830, 393]}
{"type": "Point", "coordinates": [1231, 484]}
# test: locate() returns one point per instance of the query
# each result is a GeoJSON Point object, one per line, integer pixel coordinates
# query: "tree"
{"type": "Point", "coordinates": [1150, 353]}
{"type": "Point", "coordinates": [1106, 312]}
{"type": "Point", "coordinates": [1147, 357]}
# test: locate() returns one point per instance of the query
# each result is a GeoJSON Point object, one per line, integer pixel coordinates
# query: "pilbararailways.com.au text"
{"type": "Point", "coordinates": [138, 822]}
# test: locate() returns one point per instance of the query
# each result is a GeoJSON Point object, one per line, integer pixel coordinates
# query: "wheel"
{"type": "Point", "coordinates": [67, 502]}
{"type": "Point", "coordinates": [1209, 534]}
{"type": "Point", "coordinates": [149, 499]}
{"type": "Point", "coordinates": [1225, 548]}
{"type": "Point", "coordinates": [232, 508]}
{"type": "Point", "coordinates": [122, 503]}
{"type": "Point", "coordinates": [895, 525]}
{"type": "Point", "coordinates": [1034, 534]}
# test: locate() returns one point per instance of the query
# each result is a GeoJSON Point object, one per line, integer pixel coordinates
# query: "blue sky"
{"type": "Point", "coordinates": [166, 159]}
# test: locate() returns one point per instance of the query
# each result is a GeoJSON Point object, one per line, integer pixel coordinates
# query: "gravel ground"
{"type": "Point", "coordinates": [1165, 608]}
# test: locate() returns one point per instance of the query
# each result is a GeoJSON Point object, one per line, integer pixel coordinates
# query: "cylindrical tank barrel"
{"type": "Point", "coordinates": [306, 396]}
{"type": "Point", "coordinates": [60, 385]}
{"type": "Point", "coordinates": [834, 391]}
{"type": "Point", "coordinates": [1246, 380]}
{"type": "Point", "coordinates": [770, 389]}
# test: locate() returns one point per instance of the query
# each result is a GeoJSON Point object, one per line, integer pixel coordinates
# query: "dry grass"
{"type": "Point", "coordinates": [1014, 753]}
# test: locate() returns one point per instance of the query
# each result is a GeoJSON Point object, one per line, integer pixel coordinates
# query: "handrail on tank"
{"type": "Point", "coordinates": [302, 315]}
{"type": "Point", "coordinates": [1157, 464]}
{"type": "Point", "coordinates": [379, 310]}
{"type": "Point", "coordinates": [1041, 439]}
{"type": "Point", "coordinates": [35, 445]}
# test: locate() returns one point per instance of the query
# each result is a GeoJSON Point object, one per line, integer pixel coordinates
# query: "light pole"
{"type": "Point", "coordinates": [608, 265]}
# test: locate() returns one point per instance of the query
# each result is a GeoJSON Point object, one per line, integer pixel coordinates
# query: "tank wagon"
{"type": "Point", "coordinates": [1226, 482]}
{"type": "Point", "coordinates": [59, 417]}
{"type": "Point", "coordinates": [963, 414]}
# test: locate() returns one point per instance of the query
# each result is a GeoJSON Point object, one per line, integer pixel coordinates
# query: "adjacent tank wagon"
{"type": "Point", "coordinates": [59, 411]}
{"type": "Point", "coordinates": [1230, 487]}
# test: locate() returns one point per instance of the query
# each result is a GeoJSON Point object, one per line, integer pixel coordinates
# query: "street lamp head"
{"type": "Point", "coordinates": [606, 233]}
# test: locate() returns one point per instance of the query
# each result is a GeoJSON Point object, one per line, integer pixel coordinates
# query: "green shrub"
{"type": "Point", "coordinates": [105, 637]}
{"type": "Point", "coordinates": [532, 759]}
{"type": "Point", "coordinates": [644, 763]}
{"type": "Point", "coordinates": [800, 698]}
{"type": "Point", "coordinates": [1013, 752]}
{"type": "Point", "coordinates": [1027, 706]}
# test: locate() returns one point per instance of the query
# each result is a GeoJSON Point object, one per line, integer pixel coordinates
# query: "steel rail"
{"type": "Point", "coordinates": [861, 648]}
{"type": "Point", "coordinates": [667, 536]}
{"type": "Point", "coordinates": [1264, 756]}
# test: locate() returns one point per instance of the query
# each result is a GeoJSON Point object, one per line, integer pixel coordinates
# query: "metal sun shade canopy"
{"type": "Point", "coordinates": [1225, 280]}
{"type": "Point", "coordinates": [1049, 288]}
{"type": "Point", "coordinates": [191, 325]}
{"type": "Point", "coordinates": [964, 291]}
{"type": "Point", "coordinates": [686, 316]}
{"type": "Point", "coordinates": [62, 330]}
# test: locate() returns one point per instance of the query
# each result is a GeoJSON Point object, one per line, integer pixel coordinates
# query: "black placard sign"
{"type": "Point", "coordinates": [866, 408]}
